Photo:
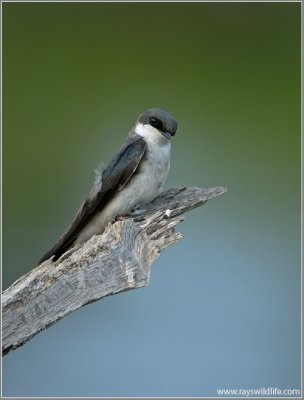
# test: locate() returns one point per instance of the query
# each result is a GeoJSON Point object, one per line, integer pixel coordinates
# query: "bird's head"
{"type": "Point", "coordinates": [155, 124]}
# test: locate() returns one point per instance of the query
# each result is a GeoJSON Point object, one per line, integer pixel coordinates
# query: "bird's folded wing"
{"type": "Point", "coordinates": [115, 176]}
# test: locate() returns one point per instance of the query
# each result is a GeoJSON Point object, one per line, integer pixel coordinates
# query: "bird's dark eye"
{"type": "Point", "coordinates": [156, 123]}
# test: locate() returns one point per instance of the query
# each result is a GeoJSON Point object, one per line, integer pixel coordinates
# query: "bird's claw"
{"type": "Point", "coordinates": [137, 210]}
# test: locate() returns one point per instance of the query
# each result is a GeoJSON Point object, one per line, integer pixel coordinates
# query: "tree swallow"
{"type": "Point", "coordinates": [134, 176]}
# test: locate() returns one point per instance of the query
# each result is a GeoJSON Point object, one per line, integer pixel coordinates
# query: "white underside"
{"type": "Point", "coordinates": [142, 188]}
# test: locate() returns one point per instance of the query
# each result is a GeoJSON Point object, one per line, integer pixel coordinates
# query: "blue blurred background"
{"type": "Point", "coordinates": [223, 306]}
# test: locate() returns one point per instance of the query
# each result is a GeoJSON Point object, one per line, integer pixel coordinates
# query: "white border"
{"type": "Point", "coordinates": [302, 202]}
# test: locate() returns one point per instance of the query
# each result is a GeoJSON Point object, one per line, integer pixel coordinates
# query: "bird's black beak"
{"type": "Point", "coordinates": [167, 135]}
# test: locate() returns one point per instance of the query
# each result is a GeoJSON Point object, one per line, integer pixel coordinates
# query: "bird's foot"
{"type": "Point", "coordinates": [138, 210]}
{"type": "Point", "coordinates": [135, 212]}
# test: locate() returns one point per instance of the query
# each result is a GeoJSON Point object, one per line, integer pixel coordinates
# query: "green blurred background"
{"type": "Point", "coordinates": [223, 306]}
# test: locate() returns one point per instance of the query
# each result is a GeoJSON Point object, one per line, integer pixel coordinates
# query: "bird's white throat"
{"type": "Point", "coordinates": [150, 134]}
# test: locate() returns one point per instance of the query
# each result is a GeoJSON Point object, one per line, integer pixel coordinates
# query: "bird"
{"type": "Point", "coordinates": [135, 176]}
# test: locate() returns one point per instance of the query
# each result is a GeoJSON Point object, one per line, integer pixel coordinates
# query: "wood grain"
{"type": "Point", "coordinates": [118, 260]}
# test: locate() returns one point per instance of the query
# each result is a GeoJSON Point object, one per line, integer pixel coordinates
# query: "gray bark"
{"type": "Point", "coordinates": [118, 260]}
